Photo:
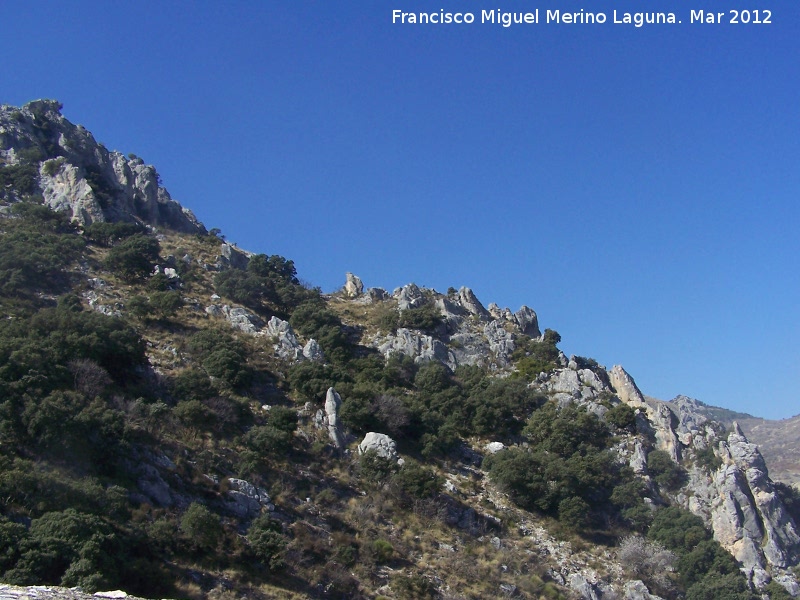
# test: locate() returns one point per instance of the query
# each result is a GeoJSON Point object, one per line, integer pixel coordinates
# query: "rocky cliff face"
{"type": "Point", "coordinates": [733, 494]}
{"type": "Point", "coordinates": [77, 175]}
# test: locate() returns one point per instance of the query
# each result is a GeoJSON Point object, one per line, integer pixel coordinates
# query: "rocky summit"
{"type": "Point", "coordinates": [180, 417]}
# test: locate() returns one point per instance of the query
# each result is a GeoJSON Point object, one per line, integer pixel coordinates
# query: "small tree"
{"type": "Point", "coordinates": [267, 542]}
{"type": "Point", "coordinates": [202, 527]}
{"type": "Point", "coordinates": [133, 258]}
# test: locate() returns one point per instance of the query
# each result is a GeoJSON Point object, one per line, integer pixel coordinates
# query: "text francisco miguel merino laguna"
{"type": "Point", "coordinates": [507, 19]}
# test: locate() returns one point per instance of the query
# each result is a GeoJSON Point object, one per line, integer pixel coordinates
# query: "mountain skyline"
{"type": "Point", "coordinates": [634, 186]}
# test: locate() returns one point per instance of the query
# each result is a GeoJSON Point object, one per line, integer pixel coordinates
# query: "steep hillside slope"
{"type": "Point", "coordinates": [181, 418]}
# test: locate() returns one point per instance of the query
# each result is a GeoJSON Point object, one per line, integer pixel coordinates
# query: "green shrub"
{"type": "Point", "coordinates": [424, 318]}
{"type": "Point", "coordinates": [201, 527]}
{"type": "Point", "coordinates": [133, 258]}
{"type": "Point", "coordinates": [622, 416]}
{"type": "Point", "coordinates": [666, 473]}
{"type": "Point", "coordinates": [383, 551]}
{"type": "Point", "coordinates": [532, 357]}
{"type": "Point", "coordinates": [416, 481]}
{"type": "Point", "coordinates": [68, 548]}
{"type": "Point", "coordinates": [574, 513]}
{"type": "Point", "coordinates": [268, 439]}
{"type": "Point", "coordinates": [35, 247]}
{"type": "Point", "coordinates": [373, 469]}
{"type": "Point", "coordinates": [106, 234]}
{"type": "Point", "coordinates": [412, 587]}
{"type": "Point", "coordinates": [708, 460]}
{"type": "Point", "coordinates": [267, 542]}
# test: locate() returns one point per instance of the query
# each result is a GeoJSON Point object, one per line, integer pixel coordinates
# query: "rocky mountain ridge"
{"type": "Point", "coordinates": [78, 176]}
{"type": "Point", "coordinates": [719, 476]}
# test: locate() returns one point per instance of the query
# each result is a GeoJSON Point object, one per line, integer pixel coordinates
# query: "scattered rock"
{"type": "Point", "coordinates": [382, 444]}
{"type": "Point", "coordinates": [246, 500]}
{"type": "Point", "coordinates": [495, 447]}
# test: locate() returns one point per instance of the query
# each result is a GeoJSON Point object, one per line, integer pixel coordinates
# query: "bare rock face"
{"type": "Point", "coordinates": [409, 296]}
{"type": "Point", "coordinates": [527, 321]}
{"type": "Point", "coordinates": [353, 287]}
{"type": "Point", "coordinates": [747, 516]}
{"type": "Point", "coordinates": [231, 256]}
{"type": "Point", "coordinates": [239, 318]}
{"type": "Point", "coordinates": [286, 344]}
{"type": "Point", "coordinates": [246, 500]}
{"type": "Point", "coordinates": [660, 417]}
{"type": "Point", "coordinates": [625, 387]}
{"type": "Point", "coordinates": [80, 177]}
{"type": "Point", "coordinates": [421, 347]}
{"type": "Point", "coordinates": [468, 300]}
{"type": "Point", "coordinates": [313, 351]}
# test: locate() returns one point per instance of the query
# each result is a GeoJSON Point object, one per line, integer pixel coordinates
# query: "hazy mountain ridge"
{"type": "Point", "coordinates": [235, 383]}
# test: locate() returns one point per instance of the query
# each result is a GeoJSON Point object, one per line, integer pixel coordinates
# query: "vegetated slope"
{"type": "Point", "coordinates": [182, 418]}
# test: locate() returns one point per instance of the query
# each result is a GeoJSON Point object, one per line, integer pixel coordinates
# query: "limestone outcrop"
{"type": "Point", "coordinates": [353, 287]}
{"type": "Point", "coordinates": [80, 177]}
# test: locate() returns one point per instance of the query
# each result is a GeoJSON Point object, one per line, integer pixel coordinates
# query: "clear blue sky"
{"type": "Point", "coordinates": [637, 187]}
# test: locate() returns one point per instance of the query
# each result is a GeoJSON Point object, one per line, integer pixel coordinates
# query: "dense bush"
{"type": "Point", "coordinates": [532, 357]}
{"type": "Point", "coordinates": [201, 528]}
{"type": "Point", "coordinates": [667, 474]}
{"type": "Point", "coordinates": [567, 471]}
{"type": "Point", "coordinates": [134, 257]}
{"type": "Point", "coordinates": [622, 416]}
{"type": "Point", "coordinates": [68, 548]}
{"type": "Point", "coordinates": [222, 356]}
{"type": "Point", "coordinates": [267, 542]}
{"type": "Point", "coordinates": [106, 234]}
{"type": "Point", "coordinates": [424, 318]}
{"type": "Point", "coordinates": [415, 481]}
{"type": "Point", "coordinates": [313, 319]}
{"type": "Point", "coordinates": [35, 246]}
{"type": "Point", "coordinates": [268, 283]}
{"type": "Point", "coordinates": [704, 568]}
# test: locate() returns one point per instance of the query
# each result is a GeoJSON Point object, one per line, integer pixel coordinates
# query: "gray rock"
{"type": "Point", "coordinates": [409, 296]}
{"type": "Point", "coordinates": [625, 387]}
{"type": "Point", "coordinates": [637, 590]}
{"type": "Point", "coordinates": [313, 351]}
{"type": "Point", "coordinates": [377, 294]}
{"type": "Point", "coordinates": [468, 300]}
{"type": "Point", "coordinates": [239, 318]}
{"type": "Point", "coordinates": [246, 500]}
{"type": "Point", "coordinates": [353, 287]}
{"type": "Point", "coordinates": [422, 348]}
{"type": "Point", "coordinates": [495, 447]}
{"type": "Point", "coordinates": [501, 342]}
{"type": "Point", "coordinates": [588, 590]}
{"type": "Point", "coordinates": [332, 403]}
{"type": "Point", "coordinates": [380, 443]}
{"type": "Point", "coordinates": [233, 257]}
{"type": "Point", "coordinates": [286, 344]}
{"type": "Point", "coordinates": [131, 188]}
{"type": "Point", "coordinates": [527, 322]}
